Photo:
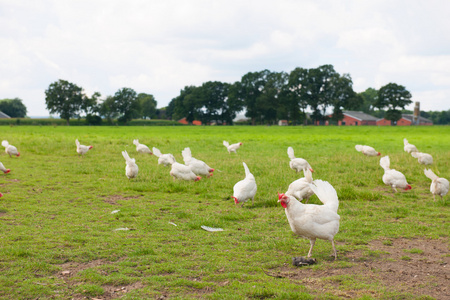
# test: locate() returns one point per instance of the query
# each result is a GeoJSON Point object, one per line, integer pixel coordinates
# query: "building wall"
{"type": "Point", "coordinates": [403, 122]}
{"type": "Point", "coordinates": [383, 122]}
{"type": "Point", "coordinates": [349, 121]}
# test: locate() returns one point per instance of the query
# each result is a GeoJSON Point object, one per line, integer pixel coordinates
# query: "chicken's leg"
{"type": "Point", "coordinates": [334, 249]}
{"type": "Point", "coordinates": [312, 242]}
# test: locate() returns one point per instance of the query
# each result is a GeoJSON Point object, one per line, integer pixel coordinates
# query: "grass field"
{"type": "Point", "coordinates": [59, 238]}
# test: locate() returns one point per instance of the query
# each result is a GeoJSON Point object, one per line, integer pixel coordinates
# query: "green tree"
{"type": "Point", "coordinates": [126, 104]}
{"type": "Point", "coordinates": [106, 109]}
{"type": "Point", "coordinates": [64, 98]}
{"type": "Point", "coordinates": [187, 104]}
{"type": "Point", "coordinates": [369, 98]}
{"type": "Point", "coordinates": [13, 108]}
{"type": "Point", "coordinates": [147, 105]}
{"type": "Point", "coordinates": [394, 97]}
{"type": "Point", "coordinates": [298, 93]}
{"type": "Point", "coordinates": [342, 96]}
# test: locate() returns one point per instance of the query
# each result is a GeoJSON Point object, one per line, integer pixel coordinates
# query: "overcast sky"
{"type": "Point", "coordinates": [159, 47]}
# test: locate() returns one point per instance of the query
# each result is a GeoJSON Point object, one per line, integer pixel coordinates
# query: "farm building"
{"type": "Point", "coordinates": [406, 120]}
{"type": "Point", "coordinates": [184, 121]}
{"type": "Point", "coordinates": [4, 116]}
{"type": "Point", "coordinates": [357, 118]}
{"type": "Point", "coordinates": [283, 123]}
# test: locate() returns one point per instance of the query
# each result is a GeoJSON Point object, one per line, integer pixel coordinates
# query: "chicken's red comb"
{"type": "Point", "coordinates": [280, 196]}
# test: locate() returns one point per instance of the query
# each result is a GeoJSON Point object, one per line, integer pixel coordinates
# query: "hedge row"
{"type": "Point", "coordinates": [83, 122]}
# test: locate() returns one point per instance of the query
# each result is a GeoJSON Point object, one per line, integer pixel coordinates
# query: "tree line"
{"type": "Point", "coordinates": [69, 101]}
{"type": "Point", "coordinates": [268, 96]}
{"type": "Point", "coordinates": [265, 96]}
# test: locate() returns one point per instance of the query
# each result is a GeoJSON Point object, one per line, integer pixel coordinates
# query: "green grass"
{"type": "Point", "coordinates": [56, 209]}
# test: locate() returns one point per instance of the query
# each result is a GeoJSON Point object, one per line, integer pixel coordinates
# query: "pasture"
{"type": "Point", "coordinates": [59, 238]}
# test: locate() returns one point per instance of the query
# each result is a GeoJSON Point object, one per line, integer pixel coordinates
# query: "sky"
{"type": "Point", "coordinates": [159, 47]}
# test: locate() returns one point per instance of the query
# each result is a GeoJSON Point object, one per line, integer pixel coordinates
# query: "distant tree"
{"type": "Point", "coordinates": [298, 92]}
{"type": "Point", "coordinates": [369, 98]}
{"type": "Point", "coordinates": [342, 96]}
{"type": "Point", "coordinates": [64, 98]}
{"type": "Point", "coordinates": [106, 109]}
{"type": "Point", "coordinates": [188, 104]}
{"type": "Point", "coordinates": [147, 105]}
{"type": "Point", "coordinates": [13, 108]}
{"type": "Point", "coordinates": [394, 97]}
{"type": "Point", "coordinates": [272, 99]}
{"type": "Point", "coordinates": [126, 104]}
{"type": "Point", "coordinates": [252, 85]}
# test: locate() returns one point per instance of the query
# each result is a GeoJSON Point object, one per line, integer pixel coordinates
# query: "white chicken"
{"type": "Point", "coordinates": [232, 147]}
{"type": "Point", "coordinates": [393, 177]}
{"type": "Point", "coordinates": [141, 148]}
{"type": "Point", "coordinates": [180, 171]}
{"type": "Point", "coordinates": [367, 150]}
{"type": "Point", "coordinates": [423, 158]}
{"type": "Point", "coordinates": [82, 149]}
{"type": "Point", "coordinates": [439, 186]}
{"type": "Point", "coordinates": [197, 166]}
{"type": "Point", "coordinates": [3, 169]}
{"type": "Point", "coordinates": [131, 170]}
{"type": "Point", "coordinates": [409, 147]}
{"type": "Point", "coordinates": [245, 189]}
{"type": "Point", "coordinates": [301, 188]}
{"type": "Point", "coordinates": [313, 221]}
{"type": "Point", "coordinates": [10, 149]}
{"type": "Point", "coordinates": [164, 159]}
{"type": "Point", "coordinates": [297, 164]}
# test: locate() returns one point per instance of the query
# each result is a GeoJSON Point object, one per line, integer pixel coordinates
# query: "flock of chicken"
{"type": "Point", "coordinates": [310, 221]}
{"type": "Point", "coordinates": [439, 186]}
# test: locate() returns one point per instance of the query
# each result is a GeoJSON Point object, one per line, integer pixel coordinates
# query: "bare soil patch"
{"type": "Point", "coordinates": [420, 267]}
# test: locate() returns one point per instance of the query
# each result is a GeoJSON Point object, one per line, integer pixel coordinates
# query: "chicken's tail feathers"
{"type": "Point", "coordinates": [326, 193]}
{"type": "Point", "coordinates": [226, 144]}
{"type": "Point", "coordinates": [290, 152]}
{"type": "Point", "coordinates": [5, 143]}
{"type": "Point", "coordinates": [385, 162]}
{"type": "Point", "coordinates": [156, 152]}
{"type": "Point", "coordinates": [187, 154]}
{"type": "Point", "coordinates": [127, 157]}
{"type": "Point", "coordinates": [359, 148]}
{"type": "Point", "coordinates": [430, 174]}
{"type": "Point", "coordinates": [77, 142]}
{"type": "Point", "coordinates": [247, 171]}
{"type": "Point", "coordinates": [136, 142]}
{"type": "Point", "coordinates": [308, 175]}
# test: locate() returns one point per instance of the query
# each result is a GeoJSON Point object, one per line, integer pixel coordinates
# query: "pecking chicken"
{"type": "Point", "coordinates": [197, 166]}
{"type": "Point", "coordinates": [164, 159]}
{"type": "Point", "coordinates": [131, 170]}
{"type": "Point", "coordinates": [423, 158]}
{"type": "Point", "coordinates": [3, 169]}
{"type": "Point", "coordinates": [439, 186]}
{"type": "Point", "coordinates": [10, 149]}
{"type": "Point", "coordinates": [393, 177]}
{"type": "Point", "coordinates": [82, 149]}
{"type": "Point", "coordinates": [180, 171]}
{"type": "Point", "coordinates": [409, 147]}
{"type": "Point", "coordinates": [367, 150]}
{"type": "Point", "coordinates": [245, 189]}
{"type": "Point", "coordinates": [141, 148]}
{"type": "Point", "coordinates": [301, 188]}
{"type": "Point", "coordinates": [313, 221]}
{"type": "Point", "coordinates": [297, 164]}
{"type": "Point", "coordinates": [232, 147]}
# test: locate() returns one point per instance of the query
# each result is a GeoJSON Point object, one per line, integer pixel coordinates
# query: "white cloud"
{"type": "Point", "coordinates": [159, 47]}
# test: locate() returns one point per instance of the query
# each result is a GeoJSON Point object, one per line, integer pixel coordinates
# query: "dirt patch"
{"type": "Point", "coordinates": [417, 267]}
{"type": "Point", "coordinates": [112, 199]}
{"type": "Point", "coordinates": [69, 270]}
